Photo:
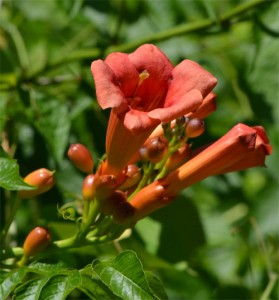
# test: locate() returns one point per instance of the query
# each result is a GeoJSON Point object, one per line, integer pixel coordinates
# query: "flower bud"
{"type": "Point", "coordinates": [81, 158]}
{"type": "Point", "coordinates": [112, 202]}
{"type": "Point", "coordinates": [36, 241]}
{"type": "Point", "coordinates": [133, 176]}
{"type": "Point", "coordinates": [180, 121]}
{"type": "Point", "coordinates": [88, 191]}
{"type": "Point", "coordinates": [194, 128]}
{"type": "Point", "coordinates": [117, 206]}
{"type": "Point", "coordinates": [105, 185]}
{"type": "Point", "coordinates": [154, 149]}
{"type": "Point", "coordinates": [42, 178]}
{"type": "Point", "coordinates": [178, 158]}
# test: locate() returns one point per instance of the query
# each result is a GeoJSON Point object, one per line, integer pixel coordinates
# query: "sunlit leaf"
{"type": "Point", "coordinates": [60, 286]}
{"type": "Point", "coordinates": [47, 268]}
{"type": "Point", "coordinates": [31, 290]}
{"type": "Point", "coordinates": [95, 289]}
{"type": "Point", "coordinates": [54, 126]}
{"type": "Point", "coordinates": [11, 281]}
{"type": "Point", "coordinates": [156, 286]}
{"type": "Point", "coordinates": [9, 176]}
{"type": "Point", "coordinates": [124, 276]}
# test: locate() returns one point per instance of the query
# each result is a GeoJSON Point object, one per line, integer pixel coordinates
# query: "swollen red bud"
{"type": "Point", "coordinates": [42, 178]}
{"type": "Point", "coordinates": [154, 149]}
{"type": "Point", "coordinates": [36, 241]}
{"type": "Point", "coordinates": [88, 190]}
{"type": "Point", "coordinates": [194, 128]}
{"type": "Point", "coordinates": [133, 176]}
{"type": "Point", "coordinates": [81, 158]}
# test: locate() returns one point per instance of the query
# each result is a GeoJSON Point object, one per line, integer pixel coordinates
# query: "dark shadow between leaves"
{"type": "Point", "coordinates": [182, 231]}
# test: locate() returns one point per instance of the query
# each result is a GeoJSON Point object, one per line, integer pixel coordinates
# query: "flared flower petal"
{"type": "Point", "coordinates": [256, 157]}
{"type": "Point", "coordinates": [144, 89]}
{"type": "Point", "coordinates": [206, 108]}
{"type": "Point", "coordinates": [108, 93]}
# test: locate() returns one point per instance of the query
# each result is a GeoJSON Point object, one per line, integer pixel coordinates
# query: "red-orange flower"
{"type": "Point", "coordinates": [144, 89]}
{"type": "Point", "coordinates": [241, 148]}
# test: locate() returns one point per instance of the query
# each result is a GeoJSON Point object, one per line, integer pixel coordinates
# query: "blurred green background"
{"type": "Point", "coordinates": [219, 240]}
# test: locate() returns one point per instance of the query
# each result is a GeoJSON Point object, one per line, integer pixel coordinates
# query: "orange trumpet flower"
{"type": "Point", "coordinates": [144, 89]}
{"type": "Point", "coordinates": [241, 148]}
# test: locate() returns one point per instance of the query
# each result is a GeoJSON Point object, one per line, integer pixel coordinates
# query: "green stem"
{"type": "Point", "coordinates": [242, 8]}
{"type": "Point", "coordinates": [66, 243]}
{"type": "Point", "coordinates": [146, 175]}
{"type": "Point", "coordinates": [156, 37]}
{"type": "Point", "coordinates": [94, 210]}
{"type": "Point", "coordinates": [86, 205]}
{"type": "Point", "coordinates": [79, 238]}
{"type": "Point", "coordinates": [272, 280]}
{"type": "Point", "coordinates": [22, 261]}
{"type": "Point", "coordinates": [8, 223]}
{"type": "Point", "coordinates": [101, 226]}
{"type": "Point", "coordinates": [174, 145]}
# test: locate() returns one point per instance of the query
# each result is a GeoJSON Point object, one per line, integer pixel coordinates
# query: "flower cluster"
{"type": "Point", "coordinates": [156, 111]}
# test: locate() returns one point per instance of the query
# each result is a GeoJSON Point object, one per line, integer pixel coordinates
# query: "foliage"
{"type": "Point", "coordinates": [219, 239]}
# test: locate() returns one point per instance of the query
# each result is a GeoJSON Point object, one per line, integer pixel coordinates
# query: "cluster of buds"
{"type": "Point", "coordinates": [165, 150]}
{"type": "Point", "coordinates": [168, 146]}
{"type": "Point", "coordinates": [107, 190]}
{"type": "Point", "coordinates": [156, 112]}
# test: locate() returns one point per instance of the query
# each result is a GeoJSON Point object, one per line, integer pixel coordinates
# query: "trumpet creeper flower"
{"type": "Point", "coordinates": [241, 148]}
{"type": "Point", "coordinates": [143, 89]}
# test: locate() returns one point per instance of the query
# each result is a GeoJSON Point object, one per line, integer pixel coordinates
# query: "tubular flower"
{"type": "Point", "coordinates": [241, 148]}
{"type": "Point", "coordinates": [149, 199]}
{"type": "Point", "coordinates": [144, 89]}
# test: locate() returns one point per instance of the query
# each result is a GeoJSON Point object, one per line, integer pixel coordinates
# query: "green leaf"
{"type": "Point", "coordinates": [11, 281]}
{"type": "Point", "coordinates": [156, 286]}
{"type": "Point", "coordinates": [124, 275]}
{"type": "Point", "coordinates": [60, 286]}
{"type": "Point", "coordinates": [185, 230]}
{"type": "Point", "coordinates": [181, 285]}
{"type": "Point", "coordinates": [2, 152]}
{"type": "Point", "coordinates": [92, 286]}
{"type": "Point", "coordinates": [47, 268]}
{"type": "Point", "coordinates": [54, 126]}
{"type": "Point", "coordinates": [9, 176]}
{"type": "Point", "coordinates": [31, 290]}
{"type": "Point", "coordinates": [95, 289]}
